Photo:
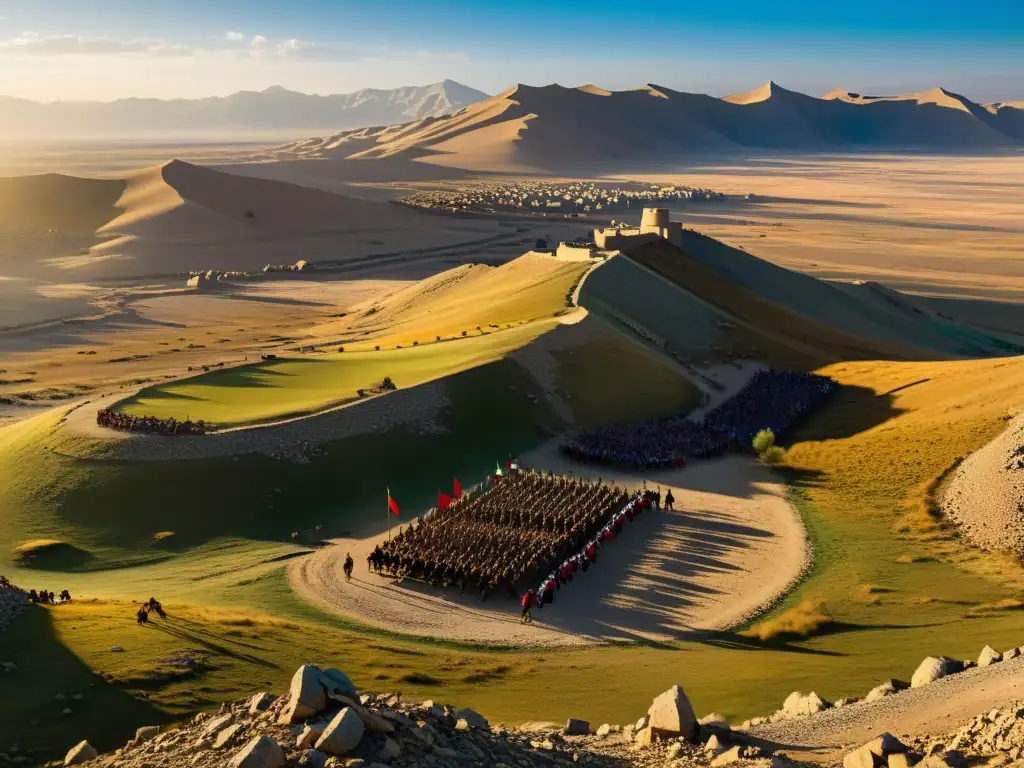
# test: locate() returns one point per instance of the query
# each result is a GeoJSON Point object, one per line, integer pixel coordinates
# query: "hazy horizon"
{"type": "Point", "coordinates": [60, 51]}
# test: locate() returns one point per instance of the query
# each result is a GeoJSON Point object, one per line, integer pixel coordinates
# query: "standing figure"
{"type": "Point", "coordinates": [349, 564]}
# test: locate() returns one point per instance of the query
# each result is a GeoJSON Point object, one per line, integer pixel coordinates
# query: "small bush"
{"type": "Point", "coordinates": [774, 455]}
{"type": "Point", "coordinates": [377, 348]}
{"type": "Point", "coordinates": [807, 619]}
{"type": "Point", "coordinates": [464, 333]}
{"type": "Point", "coordinates": [763, 440]}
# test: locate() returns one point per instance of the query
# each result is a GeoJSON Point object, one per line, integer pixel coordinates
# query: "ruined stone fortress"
{"type": "Point", "coordinates": [654, 223]}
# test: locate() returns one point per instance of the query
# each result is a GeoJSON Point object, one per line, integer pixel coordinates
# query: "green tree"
{"type": "Point", "coordinates": [763, 440]}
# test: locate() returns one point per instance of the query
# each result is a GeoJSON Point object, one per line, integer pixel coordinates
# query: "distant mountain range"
{"type": "Point", "coordinates": [527, 128]}
{"type": "Point", "coordinates": [273, 110]}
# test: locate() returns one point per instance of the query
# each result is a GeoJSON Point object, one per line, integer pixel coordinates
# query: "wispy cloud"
{"type": "Point", "coordinates": [64, 45]}
{"type": "Point", "coordinates": [234, 44]}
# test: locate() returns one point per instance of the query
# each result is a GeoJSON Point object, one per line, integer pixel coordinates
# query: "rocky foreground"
{"type": "Point", "coordinates": [323, 722]}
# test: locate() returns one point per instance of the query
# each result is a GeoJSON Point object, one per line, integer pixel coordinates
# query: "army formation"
{"type": "Point", "coordinates": [557, 197]}
{"type": "Point", "coordinates": [506, 538]}
{"type": "Point", "coordinates": [151, 425]}
{"type": "Point", "coordinates": [773, 400]}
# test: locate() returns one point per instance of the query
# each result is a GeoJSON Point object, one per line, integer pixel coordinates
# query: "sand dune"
{"type": "Point", "coordinates": [55, 202]}
{"type": "Point", "coordinates": [177, 217]}
{"type": "Point", "coordinates": [526, 128]}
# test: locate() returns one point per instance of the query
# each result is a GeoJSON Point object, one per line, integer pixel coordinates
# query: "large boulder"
{"type": "Point", "coordinates": [260, 752]}
{"type": "Point", "coordinates": [574, 727]}
{"type": "Point", "coordinates": [934, 668]}
{"type": "Point", "coordinates": [336, 682]}
{"type": "Point", "coordinates": [80, 753]}
{"type": "Point", "coordinates": [989, 656]}
{"type": "Point", "coordinates": [343, 733]}
{"type": "Point", "coordinates": [800, 705]}
{"type": "Point", "coordinates": [875, 752]}
{"type": "Point", "coordinates": [887, 688]}
{"type": "Point", "coordinates": [672, 715]}
{"type": "Point", "coordinates": [306, 697]}
{"type": "Point", "coordinates": [145, 733]}
{"type": "Point", "coordinates": [260, 702]}
{"type": "Point", "coordinates": [217, 724]}
{"type": "Point", "coordinates": [474, 719]}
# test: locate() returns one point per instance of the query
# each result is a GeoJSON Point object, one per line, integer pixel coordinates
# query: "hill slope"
{"type": "Point", "coordinates": [273, 109]}
{"type": "Point", "coordinates": [869, 310]}
{"type": "Point", "coordinates": [554, 126]}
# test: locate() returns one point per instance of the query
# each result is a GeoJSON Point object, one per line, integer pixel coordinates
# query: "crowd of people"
{"type": "Point", "coordinates": [43, 596]}
{"type": "Point", "coordinates": [773, 400]}
{"type": "Point", "coordinates": [150, 606]}
{"type": "Point", "coordinates": [585, 557]}
{"type": "Point", "coordinates": [151, 425]}
{"type": "Point", "coordinates": [504, 538]}
{"type": "Point", "coordinates": [652, 444]}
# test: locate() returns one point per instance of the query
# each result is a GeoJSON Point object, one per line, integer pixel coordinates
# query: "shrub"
{"type": "Point", "coordinates": [808, 618]}
{"type": "Point", "coordinates": [377, 348]}
{"type": "Point", "coordinates": [774, 455]}
{"type": "Point", "coordinates": [464, 333]}
{"type": "Point", "coordinates": [763, 440]}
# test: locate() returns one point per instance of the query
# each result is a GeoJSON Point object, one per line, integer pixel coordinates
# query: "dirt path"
{"type": "Point", "coordinates": [733, 544]}
{"type": "Point", "coordinates": [938, 708]}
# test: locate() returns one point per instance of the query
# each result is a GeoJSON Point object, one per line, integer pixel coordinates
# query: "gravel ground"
{"type": "Point", "coordinates": [935, 708]}
{"type": "Point", "coordinates": [985, 496]}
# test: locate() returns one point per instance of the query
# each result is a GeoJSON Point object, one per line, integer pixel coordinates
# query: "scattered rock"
{"type": "Point", "coordinates": [260, 702]}
{"type": "Point", "coordinates": [574, 727]}
{"type": "Point", "coordinates": [144, 734]}
{"type": "Point", "coordinates": [261, 752]}
{"type": "Point", "coordinates": [799, 705]}
{"type": "Point", "coordinates": [876, 751]}
{"type": "Point", "coordinates": [343, 733]}
{"type": "Point", "coordinates": [886, 688]}
{"type": "Point", "coordinates": [474, 719]}
{"type": "Point", "coordinates": [729, 756]}
{"type": "Point", "coordinates": [306, 696]}
{"type": "Point", "coordinates": [82, 752]}
{"type": "Point", "coordinates": [933, 668]}
{"type": "Point", "coordinates": [989, 656]}
{"type": "Point", "coordinates": [671, 714]}
{"type": "Point", "coordinates": [225, 737]}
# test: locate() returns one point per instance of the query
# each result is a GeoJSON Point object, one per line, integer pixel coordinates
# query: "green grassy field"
{"type": "Point", "coordinates": [277, 389]}
{"type": "Point", "coordinates": [898, 585]}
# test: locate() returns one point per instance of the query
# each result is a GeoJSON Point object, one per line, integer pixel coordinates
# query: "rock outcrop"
{"type": "Point", "coordinates": [934, 668]}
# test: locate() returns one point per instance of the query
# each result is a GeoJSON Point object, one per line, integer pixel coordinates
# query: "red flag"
{"type": "Point", "coordinates": [457, 490]}
{"type": "Point", "coordinates": [392, 504]}
{"type": "Point", "coordinates": [443, 500]}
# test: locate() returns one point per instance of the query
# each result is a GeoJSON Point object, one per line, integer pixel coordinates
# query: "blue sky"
{"type": "Point", "coordinates": [103, 49]}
